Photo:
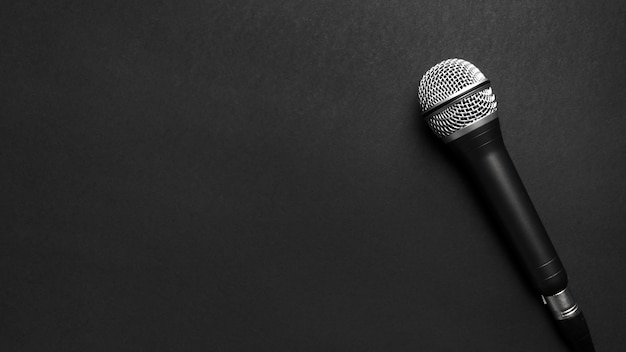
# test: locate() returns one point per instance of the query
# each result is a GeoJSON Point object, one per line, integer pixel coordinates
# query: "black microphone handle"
{"type": "Point", "coordinates": [484, 153]}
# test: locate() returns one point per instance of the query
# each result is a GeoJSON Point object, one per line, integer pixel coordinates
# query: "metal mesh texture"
{"type": "Point", "coordinates": [445, 79]}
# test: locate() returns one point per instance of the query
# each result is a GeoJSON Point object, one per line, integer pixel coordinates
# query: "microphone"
{"type": "Point", "coordinates": [460, 108]}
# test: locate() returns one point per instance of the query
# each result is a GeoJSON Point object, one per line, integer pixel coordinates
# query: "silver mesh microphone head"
{"type": "Point", "coordinates": [453, 95]}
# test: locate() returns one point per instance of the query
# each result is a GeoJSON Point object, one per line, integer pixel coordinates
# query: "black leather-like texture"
{"type": "Point", "coordinates": [255, 175]}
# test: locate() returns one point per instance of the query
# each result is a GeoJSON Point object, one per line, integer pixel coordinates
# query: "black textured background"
{"type": "Point", "coordinates": [254, 175]}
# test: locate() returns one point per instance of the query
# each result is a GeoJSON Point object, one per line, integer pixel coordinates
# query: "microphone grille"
{"type": "Point", "coordinates": [443, 81]}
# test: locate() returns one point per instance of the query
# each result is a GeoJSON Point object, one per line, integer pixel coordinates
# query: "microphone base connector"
{"type": "Point", "coordinates": [562, 305]}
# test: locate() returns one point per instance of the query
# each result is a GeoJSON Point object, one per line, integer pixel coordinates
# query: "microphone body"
{"type": "Point", "coordinates": [484, 154]}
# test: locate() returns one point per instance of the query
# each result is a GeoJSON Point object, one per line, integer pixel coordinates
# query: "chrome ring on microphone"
{"type": "Point", "coordinates": [456, 97]}
{"type": "Point", "coordinates": [562, 305]}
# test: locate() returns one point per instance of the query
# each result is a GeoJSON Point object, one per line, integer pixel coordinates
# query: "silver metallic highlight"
{"type": "Point", "coordinates": [562, 305]}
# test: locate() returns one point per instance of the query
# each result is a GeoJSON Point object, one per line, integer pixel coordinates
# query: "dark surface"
{"type": "Point", "coordinates": [254, 175]}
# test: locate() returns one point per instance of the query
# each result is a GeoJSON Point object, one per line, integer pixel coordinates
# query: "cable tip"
{"type": "Point", "coordinates": [576, 333]}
